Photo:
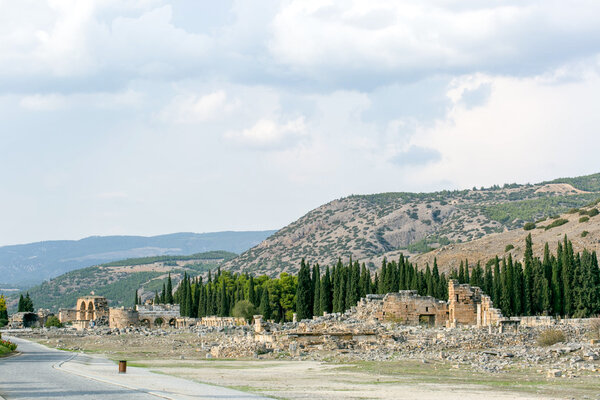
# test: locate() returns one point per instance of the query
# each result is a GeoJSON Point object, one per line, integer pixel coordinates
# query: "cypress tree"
{"type": "Point", "coordinates": [497, 282]}
{"type": "Point", "coordinates": [317, 310]}
{"type": "Point", "coordinates": [326, 293]}
{"type": "Point", "coordinates": [224, 299]}
{"type": "Point", "coordinates": [303, 309]}
{"type": "Point", "coordinates": [22, 303]}
{"type": "Point", "coordinates": [169, 294]}
{"type": "Point", "coordinates": [163, 294]}
{"type": "Point", "coordinates": [156, 298]}
{"type": "Point", "coordinates": [528, 278]}
{"type": "Point", "coordinates": [251, 293]}
{"type": "Point", "coordinates": [567, 275]}
{"type": "Point", "coordinates": [135, 298]}
{"type": "Point", "coordinates": [265, 304]}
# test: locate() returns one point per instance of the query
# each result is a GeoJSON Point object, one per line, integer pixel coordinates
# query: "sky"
{"type": "Point", "coordinates": [149, 117]}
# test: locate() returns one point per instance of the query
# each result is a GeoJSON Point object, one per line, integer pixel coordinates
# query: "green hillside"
{"type": "Point", "coordinates": [118, 280]}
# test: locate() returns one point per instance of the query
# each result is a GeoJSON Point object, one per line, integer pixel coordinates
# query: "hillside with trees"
{"type": "Point", "coordinates": [117, 280]}
{"type": "Point", "coordinates": [563, 282]}
{"type": "Point", "coordinates": [369, 227]}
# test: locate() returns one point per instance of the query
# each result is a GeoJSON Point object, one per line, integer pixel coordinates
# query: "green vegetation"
{"type": "Point", "coordinates": [590, 213]}
{"type": "Point", "coordinates": [244, 309]}
{"type": "Point", "coordinates": [3, 312]}
{"type": "Point", "coordinates": [25, 304]}
{"type": "Point", "coordinates": [584, 219]}
{"type": "Point", "coordinates": [549, 337]}
{"type": "Point", "coordinates": [588, 183]}
{"type": "Point", "coordinates": [508, 248]}
{"type": "Point", "coordinates": [172, 259]}
{"type": "Point", "coordinates": [532, 209]}
{"type": "Point", "coordinates": [556, 222]}
{"type": "Point", "coordinates": [529, 226]}
{"type": "Point", "coordinates": [6, 347]}
{"type": "Point", "coordinates": [423, 245]}
{"type": "Point", "coordinates": [53, 321]}
{"type": "Point", "coordinates": [114, 282]}
{"type": "Point", "coordinates": [584, 234]}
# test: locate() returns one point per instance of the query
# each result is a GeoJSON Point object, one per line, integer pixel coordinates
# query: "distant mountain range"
{"type": "Point", "coordinates": [29, 264]}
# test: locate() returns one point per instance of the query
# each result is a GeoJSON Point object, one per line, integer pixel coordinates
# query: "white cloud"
{"type": "Point", "coordinates": [529, 129]}
{"type": "Point", "coordinates": [268, 134]}
{"type": "Point", "coordinates": [40, 102]}
{"type": "Point", "coordinates": [417, 38]}
{"type": "Point", "coordinates": [190, 108]}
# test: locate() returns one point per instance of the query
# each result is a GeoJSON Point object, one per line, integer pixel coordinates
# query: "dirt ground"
{"type": "Point", "coordinates": [299, 379]}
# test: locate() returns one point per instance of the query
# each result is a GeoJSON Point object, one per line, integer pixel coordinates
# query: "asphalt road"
{"type": "Point", "coordinates": [32, 375]}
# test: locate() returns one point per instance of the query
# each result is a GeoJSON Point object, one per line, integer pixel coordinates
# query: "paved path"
{"type": "Point", "coordinates": [44, 373]}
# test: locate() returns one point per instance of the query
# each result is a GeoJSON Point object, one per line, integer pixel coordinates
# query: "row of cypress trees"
{"type": "Point", "coordinates": [566, 283]}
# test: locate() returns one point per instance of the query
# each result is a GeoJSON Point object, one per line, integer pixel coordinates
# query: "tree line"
{"type": "Point", "coordinates": [565, 283]}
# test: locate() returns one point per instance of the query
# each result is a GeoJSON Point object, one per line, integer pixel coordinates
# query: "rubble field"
{"type": "Point", "coordinates": [336, 357]}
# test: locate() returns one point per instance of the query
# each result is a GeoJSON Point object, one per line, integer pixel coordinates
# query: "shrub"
{"type": "Point", "coordinates": [573, 211]}
{"type": "Point", "coordinates": [508, 247]}
{"type": "Point", "coordinates": [529, 226]}
{"type": "Point", "coordinates": [8, 345]}
{"type": "Point", "coordinates": [549, 337]}
{"type": "Point", "coordinates": [584, 233]}
{"type": "Point", "coordinates": [593, 212]}
{"type": "Point", "coordinates": [557, 222]}
{"type": "Point", "coordinates": [53, 321]}
{"type": "Point", "coordinates": [584, 219]}
{"type": "Point", "coordinates": [244, 309]}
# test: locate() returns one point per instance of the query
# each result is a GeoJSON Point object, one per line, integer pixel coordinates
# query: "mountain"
{"type": "Point", "coordinates": [32, 263]}
{"type": "Point", "coordinates": [118, 281]}
{"type": "Point", "coordinates": [368, 227]}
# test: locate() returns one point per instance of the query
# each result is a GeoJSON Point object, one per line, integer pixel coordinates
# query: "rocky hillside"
{"type": "Point", "coordinates": [582, 226]}
{"type": "Point", "coordinates": [119, 280]}
{"type": "Point", "coordinates": [368, 227]}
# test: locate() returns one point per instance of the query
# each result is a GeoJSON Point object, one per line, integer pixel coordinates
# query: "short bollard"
{"type": "Point", "coordinates": [122, 367]}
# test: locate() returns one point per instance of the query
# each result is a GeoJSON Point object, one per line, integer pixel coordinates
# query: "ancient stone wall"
{"type": "Point", "coordinates": [462, 303]}
{"type": "Point", "coordinates": [158, 316]}
{"type": "Point", "coordinates": [67, 315]}
{"type": "Point", "coordinates": [486, 313]}
{"type": "Point", "coordinates": [91, 308]}
{"type": "Point", "coordinates": [122, 318]}
{"type": "Point", "coordinates": [222, 321]}
{"type": "Point", "coordinates": [407, 307]}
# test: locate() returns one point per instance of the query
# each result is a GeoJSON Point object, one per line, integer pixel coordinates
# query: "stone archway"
{"type": "Point", "coordinates": [172, 322]}
{"type": "Point", "coordinates": [82, 311]}
{"type": "Point", "coordinates": [145, 323]}
{"type": "Point", "coordinates": [158, 322]}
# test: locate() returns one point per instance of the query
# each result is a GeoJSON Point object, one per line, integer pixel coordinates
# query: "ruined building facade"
{"type": "Point", "coordinates": [466, 305]}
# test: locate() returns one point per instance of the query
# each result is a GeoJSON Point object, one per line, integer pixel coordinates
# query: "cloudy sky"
{"type": "Point", "coordinates": [148, 117]}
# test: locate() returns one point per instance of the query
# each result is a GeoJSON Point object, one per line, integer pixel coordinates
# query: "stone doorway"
{"type": "Point", "coordinates": [427, 319]}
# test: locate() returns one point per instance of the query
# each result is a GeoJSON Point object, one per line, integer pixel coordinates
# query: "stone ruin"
{"type": "Point", "coordinates": [90, 311]}
{"type": "Point", "coordinates": [29, 319]}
